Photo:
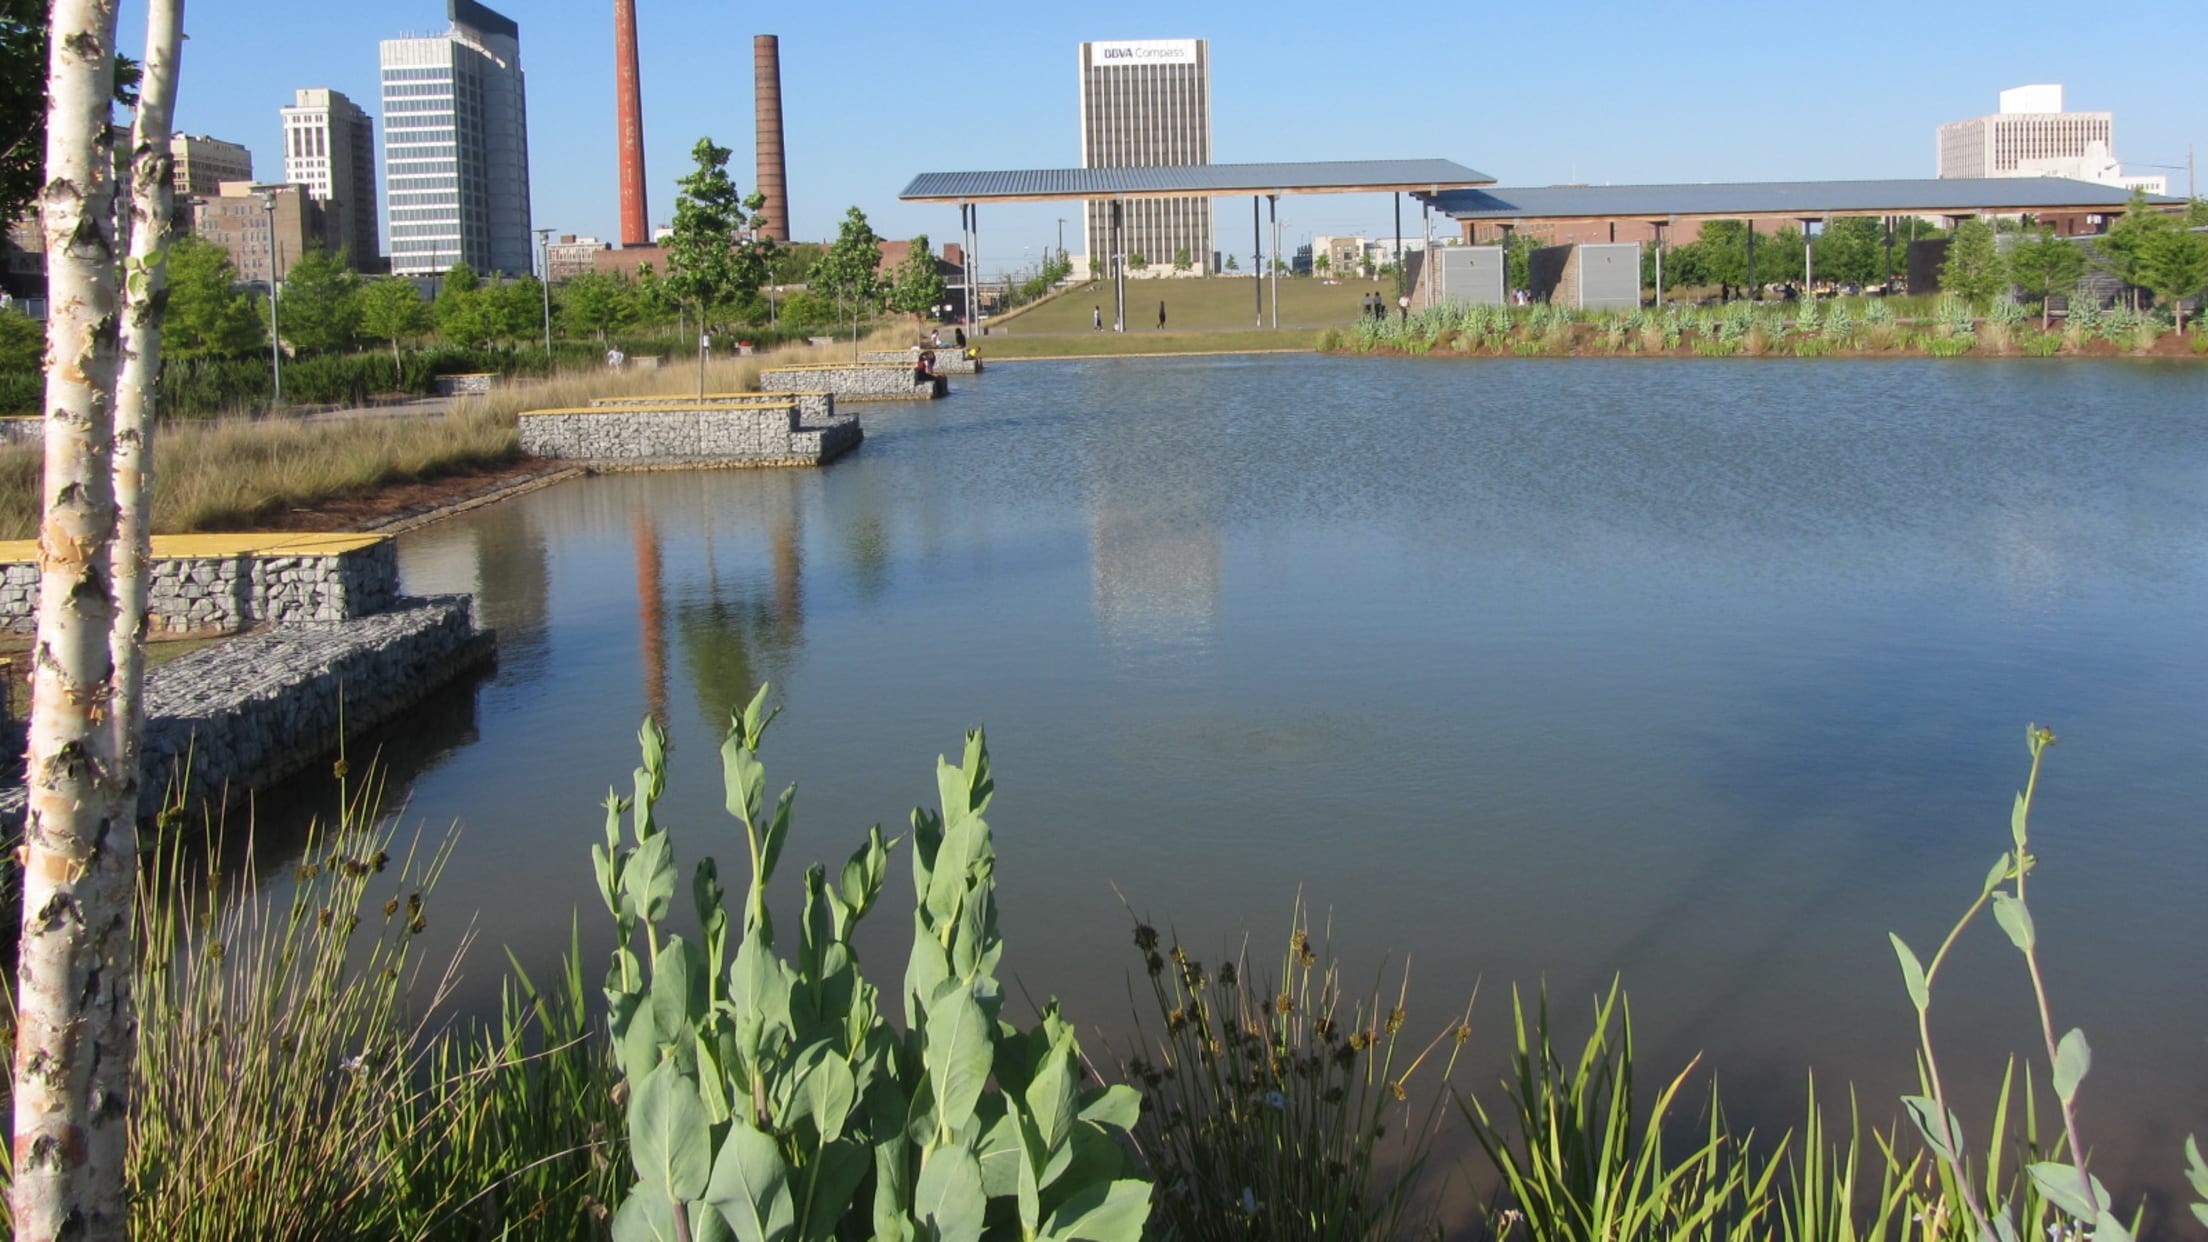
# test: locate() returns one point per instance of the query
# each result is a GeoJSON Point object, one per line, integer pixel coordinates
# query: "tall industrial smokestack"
{"type": "Point", "coordinates": [766, 73]}
{"type": "Point", "coordinates": [636, 215]}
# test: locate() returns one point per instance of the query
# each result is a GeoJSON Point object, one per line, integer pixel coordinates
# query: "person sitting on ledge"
{"type": "Point", "coordinates": [923, 368]}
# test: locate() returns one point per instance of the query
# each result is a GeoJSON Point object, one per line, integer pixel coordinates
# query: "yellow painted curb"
{"type": "Point", "coordinates": [215, 546]}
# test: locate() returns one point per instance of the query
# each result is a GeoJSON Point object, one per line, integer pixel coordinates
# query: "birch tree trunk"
{"type": "Point", "coordinates": [74, 1023]}
{"type": "Point", "coordinates": [145, 283]}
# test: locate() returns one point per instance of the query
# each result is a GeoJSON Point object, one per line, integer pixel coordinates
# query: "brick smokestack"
{"type": "Point", "coordinates": [766, 73]}
{"type": "Point", "coordinates": [636, 215]}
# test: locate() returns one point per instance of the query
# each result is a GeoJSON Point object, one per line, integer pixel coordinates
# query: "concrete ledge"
{"type": "Point", "coordinates": [474, 385]}
{"type": "Point", "coordinates": [240, 715]}
{"type": "Point", "coordinates": [811, 406]}
{"type": "Point", "coordinates": [22, 429]}
{"type": "Point", "coordinates": [221, 584]}
{"type": "Point", "coordinates": [857, 381]}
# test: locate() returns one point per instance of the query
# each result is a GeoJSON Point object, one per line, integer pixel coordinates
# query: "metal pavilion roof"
{"type": "Point", "coordinates": [1808, 199]}
{"type": "Point", "coordinates": [1327, 177]}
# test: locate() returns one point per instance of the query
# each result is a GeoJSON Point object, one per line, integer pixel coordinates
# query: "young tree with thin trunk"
{"type": "Point", "coordinates": [2045, 266]}
{"type": "Point", "coordinates": [392, 310]}
{"type": "Point", "coordinates": [75, 1024]}
{"type": "Point", "coordinates": [2175, 266]}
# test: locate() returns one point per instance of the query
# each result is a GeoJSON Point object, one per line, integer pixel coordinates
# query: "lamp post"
{"type": "Point", "coordinates": [544, 261]}
{"type": "Point", "coordinates": [275, 332]}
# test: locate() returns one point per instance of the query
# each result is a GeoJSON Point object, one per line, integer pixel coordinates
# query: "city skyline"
{"type": "Point", "coordinates": [456, 147]}
{"type": "Point", "coordinates": [1729, 93]}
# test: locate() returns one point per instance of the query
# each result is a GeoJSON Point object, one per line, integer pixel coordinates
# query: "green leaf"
{"type": "Point", "coordinates": [949, 1196]}
{"type": "Point", "coordinates": [1912, 973]}
{"type": "Point", "coordinates": [835, 1176]}
{"type": "Point", "coordinates": [1113, 1212]}
{"type": "Point", "coordinates": [648, 879]}
{"type": "Point", "coordinates": [2196, 1169]}
{"type": "Point", "coordinates": [957, 1053]}
{"type": "Point", "coordinates": [1118, 1105]}
{"type": "Point", "coordinates": [2072, 1060]}
{"type": "Point", "coordinates": [2108, 1228]}
{"type": "Point", "coordinates": [831, 1092]}
{"type": "Point", "coordinates": [2019, 817]}
{"type": "Point", "coordinates": [2014, 919]}
{"type": "Point", "coordinates": [670, 1140]}
{"type": "Point", "coordinates": [745, 781]}
{"type": "Point", "coordinates": [2059, 1182]}
{"type": "Point", "coordinates": [1999, 873]}
{"type": "Point", "coordinates": [751, 1186]}
{"type": "Point", "coordinates": [1942, 1135]}
{"type": "Point", "coordinates": [672, 1011]}
{"type": "Point", "coordinates": [645, 1217]}
{"type": "Point", "coordinates": [1051, 1094]}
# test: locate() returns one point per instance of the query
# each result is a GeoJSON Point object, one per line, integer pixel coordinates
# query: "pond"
{"type": "Point", "coordinates": [1709, 674]}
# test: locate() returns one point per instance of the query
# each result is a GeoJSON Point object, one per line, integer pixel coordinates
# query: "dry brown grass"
{"type": "Point", "coordinates": [231, 473]}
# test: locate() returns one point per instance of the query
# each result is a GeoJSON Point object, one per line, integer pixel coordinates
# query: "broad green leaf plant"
{"type": "Point", "coordinates": [2059, 1182]}
{"type": "Point", "coordinates": [769, 1098]}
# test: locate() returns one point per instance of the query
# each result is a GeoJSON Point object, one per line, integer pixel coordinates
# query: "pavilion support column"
{"type": "Point", "coordinates": [1751, 258]}
{"type": "Point", "coordinates": [1257, 258]}
{"type": "Point", "coordinates": [1399, 246]}
{"type": "Point", "coordinates": [1119, 271]}
{"type": "Point", "coordinates": [1809, 260]}
{"type": "Point", "coordinates": [1272, 215]}
{"type": "Point", "coordinates": [1658, 228]}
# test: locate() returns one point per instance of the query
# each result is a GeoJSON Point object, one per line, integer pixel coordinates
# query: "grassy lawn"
{"type": "Point", "coordinates": [1206, 304]}
{"type": "Point", "coordinates": [1125, 344]}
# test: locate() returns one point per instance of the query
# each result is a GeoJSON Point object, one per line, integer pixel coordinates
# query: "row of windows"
{"type": "Point", "coordinates": [435, 73]}
{"type": "Point", "coordinates": [441, 229]}
{"type": "Point", "coordinates": [398, 107]}
{"type": "Point", "coordinates": [395, 91]}
{"type": "Point", "coordinates": [401, 182]}
{"type": "Point", "coordinates": [421, 150]}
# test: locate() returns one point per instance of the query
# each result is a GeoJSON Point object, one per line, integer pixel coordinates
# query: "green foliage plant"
{"type": "Point", "coordinates": [2174, 264]}
{"type": "Point", "coordinates": [320, 303]}
{"type": "Point", "coordinates": [1578, 1164]}
{"type": "Point", "coordinates": [2122, 250]}
{"type": "Point", "coordinates": [769, 1098]}
{"type": "Point", "coordinates": [1268, 1106]}
{"type": "Point", "coordinates": [848, 273]}
{"type": "Point", "coordinates": [1974, 270]}
{"type": "Point", "coordinates": [2045, 267]}
{"type": "Point", "coordinates": [2060, 1179]}
{"type": "Point", "coordinates": [22, 343]}
{"type": "Point", "coordinates": [392, 310]}
{"type": "Point", "coordinates": [207, 313]}
{"type": "Point", "coordinates": [1839, 328]}
{"type": "Point", "coordinates": [916, 287]}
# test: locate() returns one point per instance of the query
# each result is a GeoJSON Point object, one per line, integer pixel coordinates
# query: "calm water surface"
{"type": "Point", "coordinates": [1709, 673]}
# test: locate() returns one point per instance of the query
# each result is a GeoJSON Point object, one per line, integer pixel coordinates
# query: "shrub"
{"type": "Point", "coordinates": [1268, 1106]}
{"type": "Point", "coordinates": [1949, 346]}
{"type": "Point", "coordinates": [2041, 344]}
{"type": "Point", "coordinates": [773, 1095]}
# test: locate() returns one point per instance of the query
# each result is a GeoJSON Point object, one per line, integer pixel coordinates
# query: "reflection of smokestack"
{"type": "Point", "coordinates": [636, 217]}
{"type": "Point", "coordinates": [766, 74]}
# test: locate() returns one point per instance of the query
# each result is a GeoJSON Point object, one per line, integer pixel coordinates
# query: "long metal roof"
{"type": "Point", "coordinates": [1328, 177]}
{"type": "Point", "coordinates": [1809, 199]}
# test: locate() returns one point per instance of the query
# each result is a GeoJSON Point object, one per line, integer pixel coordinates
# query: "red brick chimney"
{"type": "Point", "coordinates": [636, 216]}
{"type": "Point", "coordinates": [766, 77]}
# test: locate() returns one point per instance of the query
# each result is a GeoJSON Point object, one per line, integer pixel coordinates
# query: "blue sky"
{"type": "Point", "coordinates": [1531, 94]}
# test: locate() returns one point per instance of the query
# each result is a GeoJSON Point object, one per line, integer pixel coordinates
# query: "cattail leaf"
{"type": "Point", "coordinates": [1912, 973]}
{"type": "Point", "coordinates": [2072, 1059]}
{"type": "Point", "coordinates": [750, 1186]}
{"type": "Point", "coordinates": [2014, 919]}
{"type": "Point", "coordinates": [670, 1138]}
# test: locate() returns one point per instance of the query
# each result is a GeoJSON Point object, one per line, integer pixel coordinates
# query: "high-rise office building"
{"type": "Point", "coordinates": [456, 147]}
{"type": "Point", "coordinates": [201, 164]}
{"type": "Point", "coordinates": [2031, 136]}
{"type": "Point", "coordinates": [1146, 103]}
{"type": "Point", "coordinates": [330, 148]}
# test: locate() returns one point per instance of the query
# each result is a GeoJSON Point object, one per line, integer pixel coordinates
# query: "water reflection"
{"type": "Point", "coordinates": [1712, 673]}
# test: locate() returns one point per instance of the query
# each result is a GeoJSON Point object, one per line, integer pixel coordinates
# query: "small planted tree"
{"type": "Point", "coordinates": [597, 303]}
{"type": "Point", "coordinates": [393, 310]}
{"type": "Point", "coordinates": [2045, 266]}
{"type": "Point", "coordinates": [320, 302]}
{"type": "Point", "coordinates": [716, 253]}
{"type": "Point", "coordinates": [1974, 270]}
{"type": "Point", "coordinates": [848, 273]}
{"type": "Point", "coordinates": [1181, 261]}
{"type": "Point", "coordinates": [916, 287]}
{"type": "Point", "coordinates": [2123, 249]}
{"type": "Point", "coordinates": [206, 312]}
{"type": "Point", "coordinates": [770, 1098]}
{"type": "Point", "coordinates": [2175, 266]}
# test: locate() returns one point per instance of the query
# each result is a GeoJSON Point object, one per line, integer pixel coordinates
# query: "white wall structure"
{"type": "Point", "coordinates": [330, 148]}
{"type": "Point", "coordinates": [456, 147]}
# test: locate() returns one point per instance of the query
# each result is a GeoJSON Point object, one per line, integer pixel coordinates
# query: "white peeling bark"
{"type": "Point", "coordinates": [73, 987]}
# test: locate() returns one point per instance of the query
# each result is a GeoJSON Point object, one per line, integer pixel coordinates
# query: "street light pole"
{"type": "Point", "coordinates": [544, 261]}
{"type": "Point", "coordinates": [275, 332]}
